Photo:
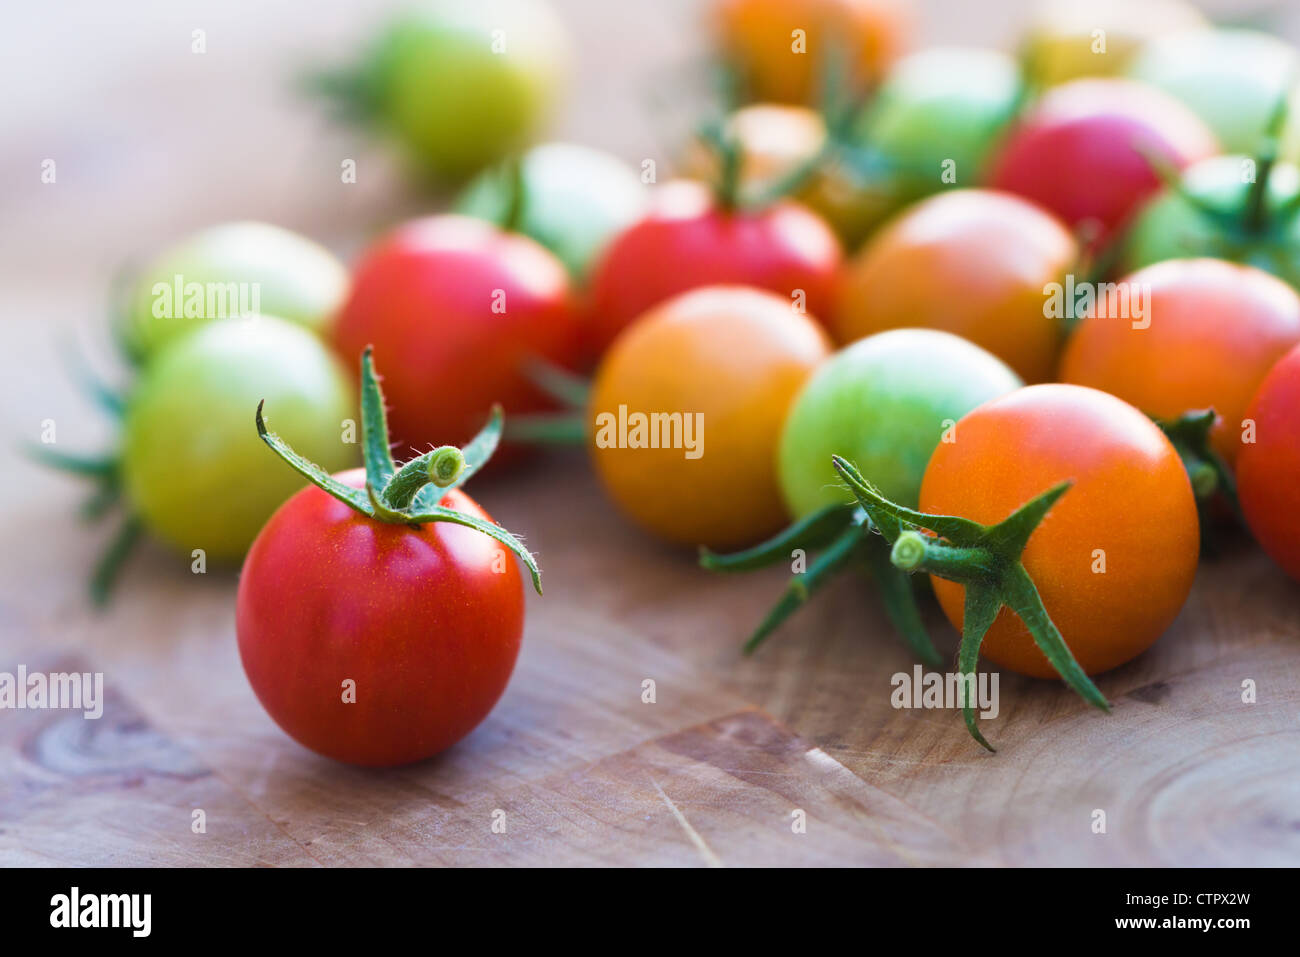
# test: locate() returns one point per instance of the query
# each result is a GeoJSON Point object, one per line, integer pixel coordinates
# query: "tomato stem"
{"type": "Point", "coordinates": [413, 494]}
{"type": "Point", "coordinates": [512, 217]}
{"type": "Point", "coordinates": [843, 532]}
{"type": "Point", "coordinates": [986, 560]}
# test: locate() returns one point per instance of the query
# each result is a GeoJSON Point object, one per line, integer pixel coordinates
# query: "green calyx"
{"type": "Point", "coordinates": [566, 427]}
{"type": "Point", "coordinates": [1206, 470]}
{"type": "Point", "coordinates": [842, 105]}
{"type": "Point", "coordinates": [412, 494]}
{"type": "Point", "coordinates": [843, 537]}
{"type": "Point", "coordinates": [1256, 217]}
{"type": "Point", "coordinates": [104, 472]}
{"type": "Point", "coordinates": [986, 560]}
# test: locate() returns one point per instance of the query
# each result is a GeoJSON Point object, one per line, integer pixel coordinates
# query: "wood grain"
{"type": "Point", "coordinates": [152, 142]}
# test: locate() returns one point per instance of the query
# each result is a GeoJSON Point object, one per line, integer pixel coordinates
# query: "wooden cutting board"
{"type": "Point", "coordinates": [152, 141]}
{"type": "Point", "coordinates": [732, 754]}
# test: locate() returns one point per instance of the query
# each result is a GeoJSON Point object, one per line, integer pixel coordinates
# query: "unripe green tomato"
{"type": "Point", "coordinates": [193, 466]}
{"type": "Point", "coordinates": [884, 403]}
{"type": "Point", "coordinates": [945, 105]}
{"type": "Point", "coordinates": [461, 84]}
{"type": "Point", "coordinates": [1232, 79]}
{"type": "Point", "coordinates": [1169, 227]}
{"type": "Point", "coordinates": [227, 271]}
{"type": "Point", "coordinates": [575, 199]}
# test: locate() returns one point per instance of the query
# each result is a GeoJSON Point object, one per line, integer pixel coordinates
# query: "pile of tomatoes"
{"type": "Point", "coordinates": [1028, 325]}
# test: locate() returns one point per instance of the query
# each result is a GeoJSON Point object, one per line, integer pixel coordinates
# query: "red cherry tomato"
{"type": "Point", "coordinates": [425, 621]}
{"type": "Point", "coordinates": [687, 241]}
{"type": "Point", "coordinates": [1079, 151]}
{"type": "Point", "coordinates": [454, 308]}
{"type": "Point", "coordinates": [1268, 469]}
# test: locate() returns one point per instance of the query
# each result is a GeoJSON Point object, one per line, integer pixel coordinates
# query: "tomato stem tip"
{"type": "Point", "coordinates": [413, 494]}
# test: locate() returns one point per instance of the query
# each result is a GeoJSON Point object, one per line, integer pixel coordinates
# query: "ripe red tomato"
{"type": "Point", "coordinates": [455, 308]}
{"type": "Point", "coordinates": [1115, 557]}
{"type": "Point", "coordinates": [1268, 469]}
{"type": "Point", "coordinates": [687, 241]}
{"type": "Point", "coordinates": [426, 621]}
{"type": "Point", "coordinates": [1210, 332]}
{"type": "Point", "coordinates": [1078, 152]}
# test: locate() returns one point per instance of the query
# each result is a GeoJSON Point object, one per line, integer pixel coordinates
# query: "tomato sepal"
{"type": "Point", "coordinates": [986, 560]}
{"type": "Point", "coordinates": [1206, 470]}
{"type": "Point", "coordinates": [844, 532]}
{"type": "Point", "coordinates": [412, 494]}
{"type": "Point", "coordinates": [815, 530]}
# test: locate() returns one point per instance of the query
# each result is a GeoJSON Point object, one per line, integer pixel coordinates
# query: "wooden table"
{"type": "Point", "coordinates": [578, 767]}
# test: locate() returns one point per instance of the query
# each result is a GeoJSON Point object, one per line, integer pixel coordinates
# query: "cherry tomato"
{"type": "Point", "coordinates": [425, 623]}
{"type": "Point", "coordinates": [971, 262]}
{"type": "Point", "coordinates": [1067, 40]}
{"type": "Point", "coordinates": [686, 241]}
{"type": "Point", "coordinates": [1209, 332]}
{"type": "Point", "coordinates": [939, 114]}
{"type": "Point", "coordinates": [575, 200]}
{"type": "Point", "coordinates": [726, 361]}
{"type": "Point", "coordinates": [1215, 213]}
{"type": "Point", "coordinates": [781, 46]}
{"type": "Point", "coordinates": [1115, 557]}
{"type": "Point", "coordinates": [460, 84]}
{"type": "Point", "coordinates": [1078, 152]}
{"type": "Point", "coordinates": [1268, 469]}
{"type": "Point", "coordinates": [1232, 79]}
{"type": "Point", "coordinates": [883, 403]}
{"type": "Point", "coordinates": [231, 271]}
{"type": "Point", "coordinates": [775, 140]}
{"type": "Point", "coordinates": [192, 467]}
{"type": "Point", "coordinates": [455, 308]}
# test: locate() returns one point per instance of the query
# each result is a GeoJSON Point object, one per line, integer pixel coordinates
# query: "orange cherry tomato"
{"type": "Point", "coordinates": [1209, 333]}
{"type": "Point", "coordinates": [776, 62]}
{"type": "Point", "coordinates": [1268, 468]}
{"type": "Point", "coordinates": [971, 262]}
{"type": "Point", "coordinates": [686, 410]}
{"type": "Point", "coordinates": [1115, 557]}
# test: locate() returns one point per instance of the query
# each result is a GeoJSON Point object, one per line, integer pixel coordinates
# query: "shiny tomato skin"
{"type": "Point", "coordinates": [1077, 151]}
{"type": "Point", "coordinates": [427, 622]}
{"type": "Point", "coordinates": [1215, 330]}
{"type": "Point", "coordinates": [972, 262]}
{"type": "Point", "coordinates": [1268, 469]}
{"type": "Point", "coordinates": [454, 308]}
{"type": "Point", "coordinates": [687, 241]}
{"type": "Point", "coordinates": [1131, 500]}
{"type": "Point", "coordinates": [734, 356]}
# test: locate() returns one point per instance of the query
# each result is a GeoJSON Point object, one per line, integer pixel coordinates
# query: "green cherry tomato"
{"type": "Point", "coordinates": [941, 111]}
{"type": "Point", "coordinates": [884, 403]}
{"type": "Point", "coordinates": [461, 84]}
{"type": "Point", "coordinates": [575, 199]}
{"type": "Point", "coordinates": [227, 271]}
{"type": "Point", "coordinates": [193, 467]}
{"type": "Point", "coordinates": [1233, 79]}
{"type": "Point", "coordinates": [1212, 216]}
